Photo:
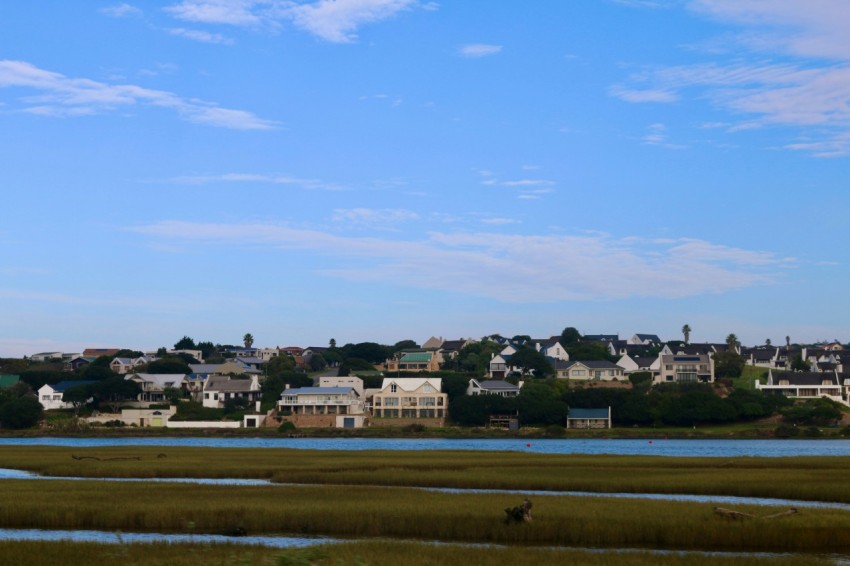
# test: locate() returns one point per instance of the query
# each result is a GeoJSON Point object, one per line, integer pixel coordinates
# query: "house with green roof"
{"type": "Point", "coordinates": [415, 360]}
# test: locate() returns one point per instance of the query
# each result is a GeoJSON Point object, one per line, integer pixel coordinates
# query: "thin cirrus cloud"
{"type": "Point", "coordinates": [122, 11]}
{"type": "Point", "coordinates": [255, 178]}
{"type": "Point", "coordinates": [60, 96]}
{"type": "Point", "coordinates": [372, 216]}
{"type": "Point", "coordinates": [810, 93]}
{"type": "Point", "coordinates": [505, 267]}
{"type": "Point", "coordinates": [336, 21]}
{"type": "Point", "coordinates": [202, 36]}
{"type": "Point", "coordinates": [478, 50]}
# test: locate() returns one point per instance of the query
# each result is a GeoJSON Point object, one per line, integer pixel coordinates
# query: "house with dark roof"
{"type": "Point", "coordinates": [551, 348]}
{"type": "Point", "coordinates": [219, 389]}
{"type": "Point", "coordinates": [804, 385]}
{"type": "Point", "coordinates": [600, 338]}
{"type": "Point", "coordinates": [645, 340]}
{"type": "Point", "coordinates": [493, 387]}
{"type": "Point", "coordinates": [589, 418]}
{"type": "Point", "coordinates": [50, 396]}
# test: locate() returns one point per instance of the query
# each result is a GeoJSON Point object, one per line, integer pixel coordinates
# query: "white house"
{"type": "Point", "coordinates": [50, 396]}
{"type": "Point", "coordinates": [804, 385]}
{"type": "Point", "coordinates": [408, 398]}
{"type": "Point", "coordinates": [590, 370]}
{"type": "Point", "coordinates": [153, 385]}
{"type": "Point", "coordinates": [683, 369]}
{"type": "Point", "coordinates": [493, 387]}
{"type": "Point", "coordinates": [219, 389]}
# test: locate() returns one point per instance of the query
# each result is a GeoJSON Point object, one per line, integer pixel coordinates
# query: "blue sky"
{"type": "Point", "coordinates": [390, 169]}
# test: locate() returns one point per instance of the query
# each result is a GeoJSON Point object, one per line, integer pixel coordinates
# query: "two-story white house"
{"type": "Point", "coordinates": [411, 399]}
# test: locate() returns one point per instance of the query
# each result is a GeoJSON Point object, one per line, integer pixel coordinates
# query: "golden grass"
{"type": "Point", "coordinates": [373, 553]}
{"type": "Point", "coordinates": [821, 478]}
{"type": "Point", "coordinates": [405, 513]}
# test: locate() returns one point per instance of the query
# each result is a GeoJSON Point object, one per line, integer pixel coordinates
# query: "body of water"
{"type": "Point", "coordinates": [715, 448]}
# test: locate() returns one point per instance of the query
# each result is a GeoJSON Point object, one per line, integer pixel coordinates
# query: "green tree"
{"type": "Point", "coordinates": [317, 362]}
{"type": "Point", "coordinates": [686, 332]}
{"type": "Point", "coordinates": [77, 396]}
{"type": "Point", "coordinates": [799, 364]}
{"type": "Point", "coordinates": [539, 403]}
{"type": "Point", "coordinates": [169, 364]}
{"type": "Point", "coordinates": [475, 410]}
{"type": "Point", "coordinates": [570, 336]}
{"type": "Point", "coordinates": [332, 343]}
{"type": "Point", "coordinates": [531, 362]}
{"type": "Point", "coordinates": [280, 364]}
{"type": "Point", "coordinates": [185, 343]}
{"type": "Point", "coordinates": [404, 345]}
{"type": "Point", "coordinates": [589, 351]}
{"type": "Point", "coordinates": [21, 412]}
{"type": "Point", "coordinates": [115, 391]}
{"type": "Point", "coordinates": [732, 343]}
{"type": "Point", "coordinates": [248, 340]}
{"type": "Point", "coordinates": [369, 351]}
{"type": "Point", "coordinates": [728, 364]}
{"type": "Point", "coordinates": [97, 370]}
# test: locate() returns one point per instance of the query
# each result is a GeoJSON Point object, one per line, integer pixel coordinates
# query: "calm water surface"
{"type": "Point", "coordinates": [655, 447]}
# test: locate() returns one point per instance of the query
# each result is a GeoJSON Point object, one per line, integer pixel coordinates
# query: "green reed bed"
{"type": "Point", "coordinates": [821, 479]}
{"type": "Point", "coordinates": [366, 511]}
{"type": "Point", "coordinates": [372, 553]}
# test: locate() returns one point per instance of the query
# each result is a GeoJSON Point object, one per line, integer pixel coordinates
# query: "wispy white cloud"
{"type": "Point", "coordinates": [373, 217]}
{"type": "Point", "coordinates": [257, 178]}
{"type": "Point", "coordinates": [508, 268]}
{"type": "Point", "coordinates": [122, 11]}
{"type": "Point", "coordinates": [499, 221]}
{"type": "Point", "coordinates": [200, 35]}
{"type": "Point", "coordinates": [477, 50]}
{"type": "Point", "coordinates": [336, 21]}
{"type": "Point", "coordinates": [656, 134]}
{"type": "Point", "coordinates": [810, 94]}
{"type": "Point", "coordinates": [64, 96]}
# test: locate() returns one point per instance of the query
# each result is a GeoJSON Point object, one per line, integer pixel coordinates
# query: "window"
{"type": "Point", "coordinates": [393, 388]}
{"type": "Point", "coordinates": [428, 389]}
{"type": "Point", "coordinates": [391, 402]}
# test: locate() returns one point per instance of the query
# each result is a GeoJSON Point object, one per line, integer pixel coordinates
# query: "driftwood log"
{"type": "Point", "coordinates": [738, 515]}
{"type": "Point", "coordinates": [519, 514]}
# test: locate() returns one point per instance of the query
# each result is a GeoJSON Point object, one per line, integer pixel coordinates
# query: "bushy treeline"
{"type": "Point", "coordinates": [548, 402]}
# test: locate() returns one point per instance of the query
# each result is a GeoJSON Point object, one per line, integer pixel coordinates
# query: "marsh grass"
{"type": "Point", "coordinates": [818, 479]}
{"type": "Point", "coordinates": [405, 513]}
{"type": "Point", "coordinates": [372, 553]}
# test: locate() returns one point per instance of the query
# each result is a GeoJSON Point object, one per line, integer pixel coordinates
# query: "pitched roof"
{"type": "Point", "coordinates": [416, 357]}
{"type": "Point", "coordinates": [413, 383]}
{"type": "Point", "coordinates": [600, 337]}
{"type": "Point", "coordinates": [62, 386]}
{"type": "Point", "coordinates": [578, 413]}
{"type": "Point", "coordinates": [162, 380]}
{"type": "Point", "coordinates": [497, 385]}
{"type": "Point", "coordinates": [805, 377]}
{"type": "Point", "coordinates": [318, 391]}
{"type": "Point", "coordinates": [223, 383]}
{"type": "Point", "coordinates": [592, 364]}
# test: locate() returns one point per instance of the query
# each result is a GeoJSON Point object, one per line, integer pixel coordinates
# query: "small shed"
{"type": "Point", "coordinates": [589, 418]}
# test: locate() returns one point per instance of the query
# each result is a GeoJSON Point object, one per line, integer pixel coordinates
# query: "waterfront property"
{"type": "Point", "coordinates": [589, 418]}
{"type": "Point", "coordinates": [323, 407]}
{"type": "Point", "coordinates": [411, 399]}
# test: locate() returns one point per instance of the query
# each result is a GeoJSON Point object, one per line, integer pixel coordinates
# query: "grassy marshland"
{"type": "Point", "coordinates": [366, 512]}
{"type": "Point", "coordinates": [821, 479]}
{"type": "Point", "coordinates": [372, 553]}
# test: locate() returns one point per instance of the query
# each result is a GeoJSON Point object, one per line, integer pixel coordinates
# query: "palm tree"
{"type": "Point", "coordinates": [248, 339]}
{"type": "Point", "coordinates": [686, 331]}
{"type": "Point", "coordinates": [732, 342]}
